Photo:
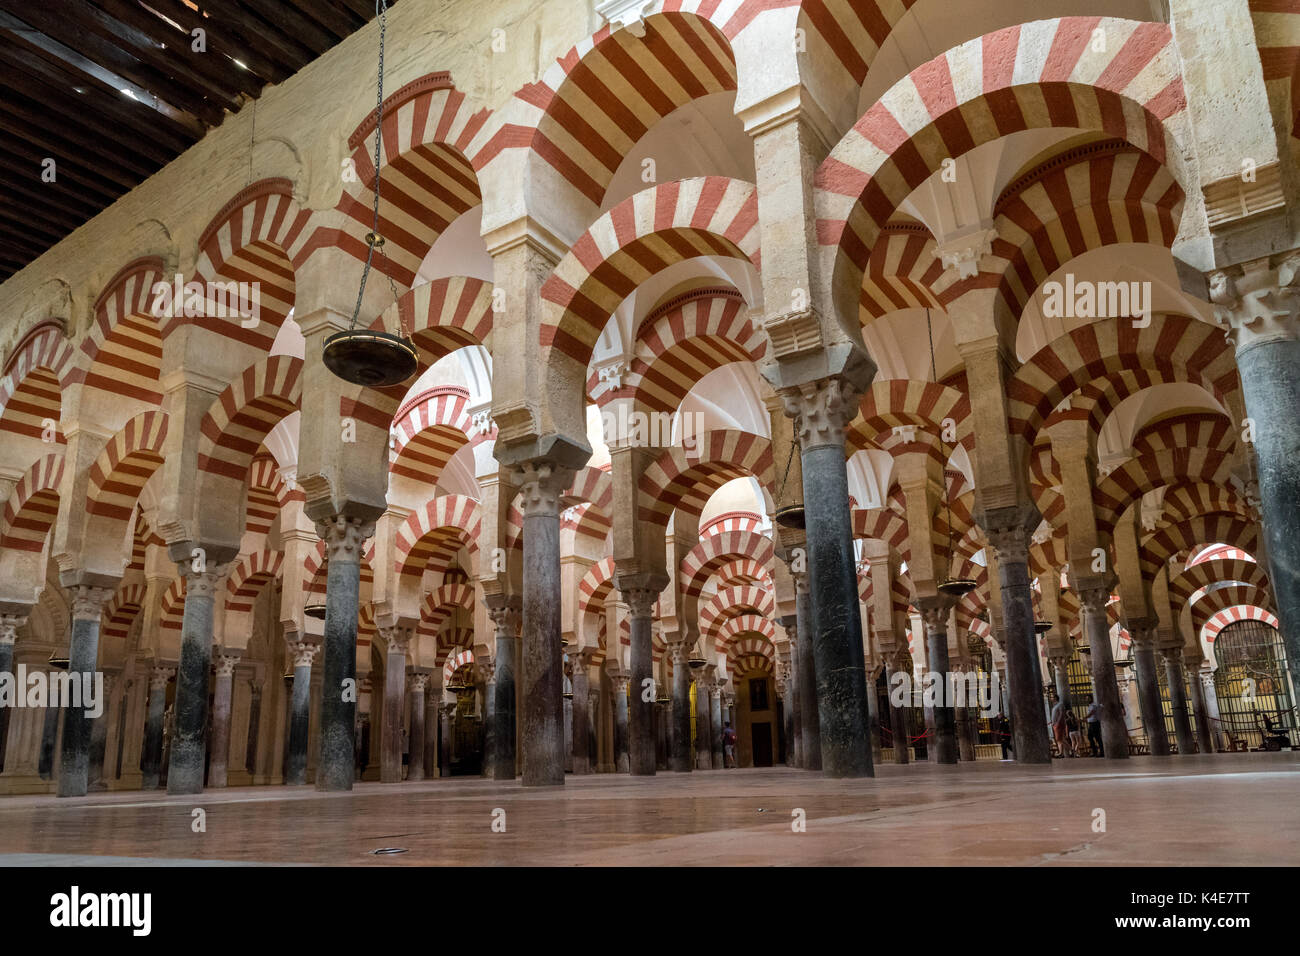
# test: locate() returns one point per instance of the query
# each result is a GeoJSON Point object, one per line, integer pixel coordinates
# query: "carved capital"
{"type": "Point", "coordinates": [1258, 301]}
{"type": "Point", "coordinates": [961, 253]}
{"type": "Point", "coordinates": [640, 601]}
{"type": "Point", "coordinates": [225, 665]}
{"type": "Point", "coordinates": [506, 619]}
{"type": "Point", "coordinates": [822, 410]}
{"type": "Point", "coordinates": [1010, 543]}
{"type": "Point", "coordinates": [9, 624]}
{"type": "Point", "coordinates": [159, 675]}
{"type": "Point", "coordinates": [680, 653]}
{"type": "Point", "coordinates": [302, 652]}
{"type": "Point", "coordinates": [88, 602]}
{"type": "Point", "coordinates": [416, 683]}
{"type": "Point", "coordinates": [344, 537]}
{"type": "Point", "coordinates": [396, 639]}
{"type": "Point", "coordinates": [541, 483]}
{"type": "Point", "coordinates": [205, 583]}
{"type": "Point", "coordinates": [1094, 600]}
{"type": "Point", "coordinates": [620, 682]}
{"type": "Point", "coordinates": [487, 669]}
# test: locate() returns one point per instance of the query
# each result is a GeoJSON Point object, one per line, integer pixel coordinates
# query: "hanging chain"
{"type": "Point", "coordinates": [252, 139]}
{"type": "Point", "coordinates": [374, 239]}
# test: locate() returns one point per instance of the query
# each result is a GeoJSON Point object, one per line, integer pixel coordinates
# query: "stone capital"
{"type": "Point", "coordinates": [159, 675]}
{"type": "Point", "coordinates": [487, 669]}
{"type": "Point", "coordinates": [88, 602]}
{"type": "Point", "coordinates": [9, 624]}
{"type": "Point", "coordinates": [1010, 542]}
{"type": "Point", "coordinates": [302, 652]}
{"type": "Point", "coordinates": [344, 537]}
{"type": "Point", "coordinates": [205, 583]}
{"type": "Point", "coordinates": [506, 618]}
{"type": "Point", "coordinates": [620, 682]}
{"type": "Point", "coordinates": [934, 611]}
{"type": "Point", "coordinates": [1258, 301]}
{"type": "Point", "coordinates": [396, 639]}
{"type": "Point", "coordinates": [961, 252]}
{"type": "Point", "coordinates": [225, 664]}
{"type": "Point", "coordinates": [640, 601]}
{"type": "Point", "coordinates": [1093, 599]}
{"type": "Point", "coordinates": [679, 652]}
{"type": "Point", "coordinates": [541, 483]}
{"type": "Point", "coordinates": [417, 682]}
{"type": "Point", "coordinates": [822, 410]}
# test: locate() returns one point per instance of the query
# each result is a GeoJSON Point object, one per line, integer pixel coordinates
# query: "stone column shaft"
{"type": "Point", "coordinates": [1105, 686]}
{"type": "Point", "coordinates": [506, 619]}
{"type": "Point", "coordinates": [681, 759]}
{"type": "Point", "coordinates": [641, 728]}
{"type": "Point", "coordinates": [153, 729]}
{"type": "Point", "coordinates": [416, 686]}
{"type": "Point", "coordinates": [622, 759]}
{"type": "Point", "coordinates": [1173, 658]}
{"type": "Point", "coordinates": [83, 654]}
{"type": "Point", "coordinates": [1144, 661]}
{"type": "Point", "coordinates": [221, 700]}
{"type": "Point", "coordinates": [945, 720]}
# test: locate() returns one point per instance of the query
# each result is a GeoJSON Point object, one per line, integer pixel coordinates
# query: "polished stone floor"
{"type": "Point", "coordinates": [1235, 809]}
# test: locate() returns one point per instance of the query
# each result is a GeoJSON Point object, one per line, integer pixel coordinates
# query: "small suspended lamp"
{"type": "Point", "coordinates": [372, 357]}
{"type": "Point", "coordinates": [59, 661]}
{"type": "Point", "coordinates": [791, 515]}
{"type": "Point", "coordinates": [315, 607]}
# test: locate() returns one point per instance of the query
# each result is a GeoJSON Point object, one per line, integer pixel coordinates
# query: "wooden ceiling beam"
{"type": "Point", "coordinates": [37, 130]}
{"type": "Point", "coordinates": [292, 23]}
{"type": "Point", "coordinates": [225, 41]}
{"type": "Point", "coordinates": [286, 49]}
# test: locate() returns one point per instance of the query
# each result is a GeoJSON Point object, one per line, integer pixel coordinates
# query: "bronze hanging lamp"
{"type": "Point", "coordinates": [791, 515]}
{"type": "Point", "coordinates": [372, 357]}
{"type": "Point", "coordinates": [956, 588]}
{"type": "Point", "coordinates": [315, 608]}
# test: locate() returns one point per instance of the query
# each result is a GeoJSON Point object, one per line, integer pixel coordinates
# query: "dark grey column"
{"type": "Point", "coordinates": [83, 655]}
{"type": "Point", "coordinates": [49, 741]}
{"type": "Point", "coordinates": [682, 759]}
{"type": "Point", "coordinates": [821, 411]}
{"type": "Point", "coordinates": [254, 725]}
{"type": "Point", "coordinates": [415, 684]}
{"type": "Point", "coordinates": [302, 653]}
{"type": "Point", "coordinates": [447, 714]}
{"type": "Point", "coordinates": [809, 719]}
{"type": "Point", "coordinates": [715, 723]}
{"type": "Point", "coordinates": [898, 715]}
{"type": "Point", "coordinates": [784, 690]}
{"type": "Point", "coordinates": [935, 613]}
{"type": "Point", "coordinates": [641, 742]}
{"type": "Point", "coordinates": [873, 719]}
{"type": "Point", "coordinates": [1203, 735]}
{"type": "Point", "coordinates": [1061, 676]}
{"type": "Point", "coordinates": [1173, 657]}
{"type": "Point", "coordinates": [703, 721]}
{"type": "Point", "coordinates": [151, 765]}
{"type": "Point", "coordinates": [622, 759]}
{"type": "Point", "coordinates": [219, 762]}
{"type": "Point", "coordinates": [9, 625]}
{"type": "Point", "coordinates": [663, 720]}
{"type": "Point", "coordinates": [486, 668]}
{"type": "Point", "coordinates": [397, 639]}
{"type": "Point", "coordinates": [581, 727]}
{"type": "Point", "coordinates": [505, 616]}
{"type": "Point", "coordinates": [1153, 720]}
{"type": "Point", "coordinates": [1029, 719]}
{"type": "Point", "coordinates": [542, 665]}
{"type": "Point", "coordinates": [1096, 625]}
{"type": "Point", "coordinates": [344, 538]}
{"type": "Point", "coordinates": [189, 746]}
{"type": "Point", "coordinates": [791, 624]}
{"type": "Point", "coordinates": [1261, 306]}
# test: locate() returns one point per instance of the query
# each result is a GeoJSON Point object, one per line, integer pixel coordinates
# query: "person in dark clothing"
{"type": "Point", "coordinates": [1004, 736]}
{"type": "Point", "coordinates": [1094, 730]}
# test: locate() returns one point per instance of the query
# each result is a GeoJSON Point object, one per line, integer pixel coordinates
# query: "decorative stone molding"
{"type": "Point", "coordinates": [1011, 544]}
{"type": "Point", "coordinates": [9, 624]}
{"type": "Point", "coordinates": [822, 410]}
{"type": "Point", "coordinates": [205, 583]}
{"type": "Point", "coordinates": [159, 676]}
{"type": "Point", "coordinates": [506, 619]}
{"type": "Point", "coordinates": [640, 601]}
{"type": "Point", "coordinates": [793, 332]}
{"type": "Point", "coordinates": [225, 665]}
{"type": "Point", "coordinates": [961, 252]}
{"type": "Point", "coordinates": [396, 639]}
{"type": "Point", "coordinates": [344, 537]}
{"type": "Point", "coordinates": [416, 683]}
{"type": "Point", "coordinates": [88, 602]}
{"type": "Point", "coordinates": [1094, 600]}
{"type": "Point", "coordinates": [302, 652]}
{"type": "Point", "coordinates": [1259, 301]}
{"type": "Point", "coordinates": [679, 652]}
{"type": "Point", "coordinates": [627, 14]}
{"type": "Point", "coordinates": [620, 682]}
{"type": "Point", "coordinates": [540, 485]}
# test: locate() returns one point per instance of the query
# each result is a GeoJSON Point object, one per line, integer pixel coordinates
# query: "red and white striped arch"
{"type": "Point", "coordinates": [731, 521]}
{"type": "Point", "coordinates": [589, 504]}
{"type": "Point", "coordinates": [128, 461]}
{"type": "Point", "coordinates": [1132, 479]}
{"type": "Point", "coordinates": [454, 662]}
{"type": "Point", "coordinates": [1187, 500]}
{"type": "Point", "coordinates": [122, 610]}
{"type": "Point", "coordinates": [715, 552]}
{"type": "Point", "coordinates": [733, 601]}
{"type": "Point", "coordinates": [440, 603]}
{"type": "Point", "coordinates": [257, 236]}
{"type": "Point", "coordinates": [595, 586]}
{"type": "Point", "coordinates": [432, 144]}
{"type": "Point", "coordinates": [1234, 614]}
{"type": "Point", "coordinates": [172, 614]}
{"type": "Point", "coordinates": [1277, 35]}
{"type": "Point", "coordinates": [429, 430]}
{"type": "Point", "coordinates": [883, 524]}
{"type": "Point", "coordinates": [251, 573]}
{"type": "Point", "coordinates": [1232, 595]}
{"type": "Point", "coordinates": [444, 315]}
{"type": "Point", "coordinates": [1159, 546]}
{"type": "Point", "coordinates": [640, 237]}
{"type": "Point", "coordinates": [243, 415]}
{"type": "Point", "coordinates": [31, 390]}
{"type": "Point", "coordinates": [747, 655]}
{"type": "Point", "coordinates": [432, 536]}
{"type": "Point", "coordinates": [122, 355]}
{"type": "Point", "coordinates": [684, 479]}
{"type": "Point", "coordinates": [1184, 584]}
{"type": "Point", "coordinates": [33, 506]}
{"type": "Point", "coordinates": [682, 341]}
{"type": "Point", "coordinates": [909, 403]}
{"type": "Point", "coordinates": [1171, 348]}
{"type": "Point", "coordinates": [902, 272]}
{"type": "Point", "coordinates": [267, 493]}
{"type": "Point", "coordinates": [846, 35]}
{"type": "Point", "coordinates": [1037, 75]}
{"type": "Point", "coordinates": [736, 572]}
{"type": "Point", "coordinates": [599, 99]}
{"type": "Point", "coordinates": [1189, 430]}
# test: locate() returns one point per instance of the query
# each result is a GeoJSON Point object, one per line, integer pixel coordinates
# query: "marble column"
{"type": "Point", "coordinates": [898, 715]}
{"type": "Point", "coordinates": [505, 617]}
{"type": "Point", "coordinates": [159, 676]}
{"type": "Point", "coordinates": [486, 668]}
{"type": "Point", "coordinates": [447, 714]}
{"type": "Point", "coordinates": [1060, 664]}
{"type": "Point", "coordinates": [821, 411]}
{"type": "Point", "coordinates": [1212, 710]}
{"type": "Point", "coordinates": [99, 727]}
{"type": "Point", "coordinates": [1199, 705]}
{"type": "Point", "coordinates": [622, 759]}
{"type": "Point", "coordinates": [1148, 687]}
{"type": "Point", "coordinates": [641, 742]}
{"type": "Point", "coordinates": [935, 613]}
{"type": "Point", "coordinates": [715, 723]}
{"type": "Point", "coordinates": [83, 655]}
{"type": "Point", "coordinates": [809, 716]}
{"type": "Point", "coordinates": [703, 721]}
{"type": "Point", "coordinates": [873, 717]}
{"type": "Point", "coordinates": [9, 625]}
{"type": "Point", "coordinates": [967, 716]}
{"type": "Point", "coordinates": [415, 685]}
{"type": "Point", "coordinates": [189, 745]}
{"type": "Point", "coordinates": [540, 485]}
{"type": "Point", "coordinates": [49, 740]}
{"type": "Point", "coordinates": [1173, 660]}
{"type": "Point", "coordinates": [397, 640]}
{"type": "Point", "coordinates": [1105, 686]}
{"type": "Point", "coordinates": [221, 699]}
{"type": "Point", "coordinates": [1258, 302]}
{"type": "Point", "coordinates": [344, 538]}
{"type": "Point", "coordinates": [796, 689]}
{"type": "Point", "coordinates": [302, 653]}
{"type": "Point", "coordinates": [567, 715]}
{"type": "Point", "coordinates": [1025, 693]}
{"type": "Point", "coordinates": [254, 725]}
{"type": "Point", "coordinates": [681, 758]}
{"type": "Point", "coordinates": [581, 682]}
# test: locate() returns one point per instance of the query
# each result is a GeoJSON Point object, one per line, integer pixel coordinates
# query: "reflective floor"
{"type": "Point", "coordinates": [1214, 809]}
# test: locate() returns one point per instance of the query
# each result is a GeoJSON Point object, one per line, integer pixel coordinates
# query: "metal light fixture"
{"type": "Point", "coordinates": [59, 662]}
{"type": "Point", "coordinates": [956, 588]}
{"type": "Point", "coordinates": [372, 357]}
{"type": "Point", "coordinates": [1042, 627]}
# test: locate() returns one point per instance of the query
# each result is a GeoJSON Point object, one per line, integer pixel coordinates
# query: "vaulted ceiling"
{"type": "Point", "coordinates": [113, 90]}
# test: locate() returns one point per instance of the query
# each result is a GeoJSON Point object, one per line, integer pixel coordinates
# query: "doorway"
{"type": "Point", "coordinates": [761, 743]}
